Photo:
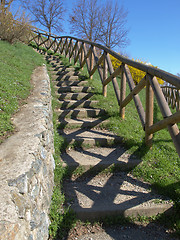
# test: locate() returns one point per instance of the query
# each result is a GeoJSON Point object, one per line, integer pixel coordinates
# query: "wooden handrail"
{"type": "Point", "coordinates": [85, 52]}
{"type": "Point", "coordinates": [168, 77]}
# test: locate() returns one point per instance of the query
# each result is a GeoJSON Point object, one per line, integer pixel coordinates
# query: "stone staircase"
{"type": "Point", "coordinates": [100, 184]}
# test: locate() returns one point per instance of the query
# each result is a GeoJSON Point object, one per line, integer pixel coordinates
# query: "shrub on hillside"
{"type": "Point", "coordinates": [137, 74]}
{"type": "Point", "coordinates": [13, 28]}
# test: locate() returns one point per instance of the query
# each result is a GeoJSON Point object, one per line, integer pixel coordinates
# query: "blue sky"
{"type": "Point", "coordinates": [154, 31]}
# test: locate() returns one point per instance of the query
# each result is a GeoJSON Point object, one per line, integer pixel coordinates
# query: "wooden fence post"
{"type": "Point", "coordinates": [166, 112]}
{"type": "Point", "coordinates": [70, 49]}
{"type": "Point", "coordinates": [105, 67]}
{"type": "Point", "coordinates": [149, 111]}
{"type": "Point", "coordinates": [122, 93]}
{"type": "Point", "coordinates": [76, 51]}
{"type": "Point", "coordinates": [82, 55]}
{"type": "Point", "coordinates": [91, 61]}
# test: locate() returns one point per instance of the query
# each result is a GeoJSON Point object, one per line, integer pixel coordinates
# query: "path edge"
{"type": "Point", "coordinates": [27, 166]}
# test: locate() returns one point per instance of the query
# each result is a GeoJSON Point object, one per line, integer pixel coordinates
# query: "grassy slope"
{"type": "Point", "coordinates": [16, 65]}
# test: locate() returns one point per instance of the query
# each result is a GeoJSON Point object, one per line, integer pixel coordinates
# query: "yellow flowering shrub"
{"type": "Point", "coordinates": [137, 74]}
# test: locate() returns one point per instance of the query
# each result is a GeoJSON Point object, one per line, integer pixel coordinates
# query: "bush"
{"type": "Point", "coordinates": [13, 28]}
{"type": "Point", "coordinates": [137, 74]}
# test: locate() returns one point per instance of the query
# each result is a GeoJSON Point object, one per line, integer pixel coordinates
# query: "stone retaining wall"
{"type": "Point", "coordinates": [27, 165]}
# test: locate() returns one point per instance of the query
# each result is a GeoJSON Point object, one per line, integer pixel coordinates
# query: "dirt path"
{"type": "Point", "coordinates": [136, 231]}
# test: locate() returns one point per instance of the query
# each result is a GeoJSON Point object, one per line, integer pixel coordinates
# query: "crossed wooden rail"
{"type": "Point", "coordinates": [95, 56]}
{"type": "Point", "coordinates": [172, 95]}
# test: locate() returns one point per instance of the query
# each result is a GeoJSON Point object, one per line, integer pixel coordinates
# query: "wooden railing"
{"type": "Point", "coordinates": [95, 55]}
{"type": "Point", "coordinates": [172, 95]}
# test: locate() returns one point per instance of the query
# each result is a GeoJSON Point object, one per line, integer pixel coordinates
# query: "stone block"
{"type": "Point", "coordinates": [22, 203]}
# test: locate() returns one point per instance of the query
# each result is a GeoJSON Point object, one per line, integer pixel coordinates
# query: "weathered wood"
{"type": "Point", "coordinates": [174, 80]}
{"type": "Point", "coordinates": [122, 93]}
{"type": "Point", "coordinates": [166, 112]}
{"type": "Point", "coordinates": [91, 62]}
{"type": "Point", "coordinates": [60, 46]}
{"type": "Point", "coordinates": [86, 56]}
{"type": "Point", "coordinates": [113, 75]}
{"type": "Point", "coordinates": [114, 81]}
{"type": "Point", "coordinates": [78, 53]}
{"type": "Point", "coordinates": [98, 65]}
{"type": "Point", "coordinates": [48, 43]}
{"type": "Point", "coordinates": [98, 62]}
{"type": "Point", "coordinates": [70, 49]}
{"type": "Point", "coordinates": [54, 46]}
{"type": "Point", "coordinates": [135, 91]}
{"type": "Point", "coordinates": [172, 96]}
{"type": "Point", "coordinates": [67, 48]}
{"type": "Point", "coordinates": [73, 50]}
{"type": "Point", "coordinates": [63, 46]}
{"type": "Point", "coordinates": [82, 55]}
{"type": "Point", "coordinates": [149, 111]}
{"type": "Point", "coordinates": [90, 57]}
{"type": "Point", "coordinates": [171, 120]}
{"type": "Point", "coordinates": [32, 39]}
{"type": "Point", "coordinates": [43, 42]}
{"type": "Point", "coordinates": [178, 100]}
{"type": "Point", "coordinates": [136, 98]}
{"type": "Point", "coordinates": [51, 44]}
{"type": "Point", "coordinates": [105, 74]}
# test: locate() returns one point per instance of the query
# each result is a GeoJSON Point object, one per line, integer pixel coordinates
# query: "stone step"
{"type": "Point", "coordinates": [56, 62]}
{"type": "Point", "coordinates": [53, 59]}
{"type": "Point", "coordinates": [75, 96]}
{"type": "Point", "coordinates": [90, 137]}
{"type": "Point", "coordinates": [63, 73]}
{"type": "Point", "coordinates": [57, 67]}
{"type": "Point", "coordinates": [61, 69]}
{"type": "Point", "coordinates": [98, 159]}
{"type": "Point", "coordinates": [81, 123]}
{"type": "Point", "coordinates": [65, 78]}
{"type": "Point", "coordinates": [67, 83]}
{"type": "Point", "coordinates": [97, 196]}
{"type": "Point", "coordinates": [74, 89]}
{"type": "Point", "coordinates": [80, 113]}
{"type": "Point", "coordinates": [71, 104]}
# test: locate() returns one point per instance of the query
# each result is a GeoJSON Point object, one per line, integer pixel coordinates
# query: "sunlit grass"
{"type": "Point", "coordinates": [16, 65]}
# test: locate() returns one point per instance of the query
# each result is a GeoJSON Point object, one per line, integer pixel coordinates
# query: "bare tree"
{"type": "Point", "coordinates": [103, 23]}
{"type": "Point", "coordinates": [112, 25]}
{"type": "Point", "coordinates": [49, 13]}
{"type": "Point", "coordinates": [13, 27]}
{"type": "Point", "coordinates": [6, 2]}
{"type": "Point", "coordinates": [84, 19]}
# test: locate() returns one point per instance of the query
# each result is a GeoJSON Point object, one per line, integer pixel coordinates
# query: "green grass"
{"type": "Point", "coordinates": [16, 65]}
{"type": "Point", "coordinates": [160, 166]}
